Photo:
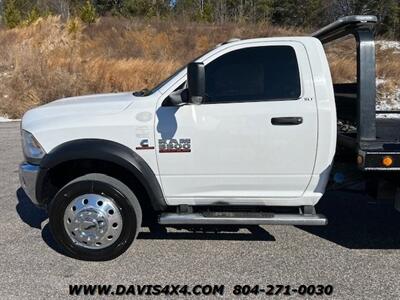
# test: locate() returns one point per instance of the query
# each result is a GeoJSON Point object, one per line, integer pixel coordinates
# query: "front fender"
{"type": "Point", "coordinates": [105, 150]}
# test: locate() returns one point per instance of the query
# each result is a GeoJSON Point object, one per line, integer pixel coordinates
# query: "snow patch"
{"type": "Point", "coordinates": [385, 45]}
{"type": "Point", "coordinates": [6, 119]}
{"type": "Point", "coordinates": [389, 102]}
{"type": "Point", "coordinates": [380, 81]}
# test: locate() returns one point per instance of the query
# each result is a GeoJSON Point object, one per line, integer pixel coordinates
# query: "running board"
{"type": "Point", "coordinates": [212, 218]}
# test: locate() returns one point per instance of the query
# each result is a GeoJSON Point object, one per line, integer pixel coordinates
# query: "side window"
{"type": "Point", "coordinates": [254, 74]}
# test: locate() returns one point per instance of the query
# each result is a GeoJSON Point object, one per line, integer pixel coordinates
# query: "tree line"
{"type": "Point", "coordinates": [304, 13]}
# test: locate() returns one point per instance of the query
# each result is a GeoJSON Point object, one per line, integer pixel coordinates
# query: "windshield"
{"type": "Point", "coordinates": [162, 83]}
{"type": "Point", "coordinates": [146, 92]}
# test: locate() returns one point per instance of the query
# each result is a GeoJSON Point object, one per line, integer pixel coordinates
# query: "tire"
{"type": "Point", "coordinates": [80, 215]}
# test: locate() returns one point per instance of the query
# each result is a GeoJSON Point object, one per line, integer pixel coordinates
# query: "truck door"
{"type": "Point", "coordinates": [254, 139]}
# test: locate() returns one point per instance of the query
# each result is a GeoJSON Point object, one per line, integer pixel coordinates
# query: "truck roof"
{"type": "Point", "coordinates": [235, 41]}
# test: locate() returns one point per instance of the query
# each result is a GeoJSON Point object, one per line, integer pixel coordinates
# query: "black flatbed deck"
{"type": "Point", "coordinates": [388, 130]}
{"type": "Point", "coordinates": [387, 137]}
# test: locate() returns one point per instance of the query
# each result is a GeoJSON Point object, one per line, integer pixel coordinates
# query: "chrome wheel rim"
{"type": "Point", "coordinates": [93, 221]}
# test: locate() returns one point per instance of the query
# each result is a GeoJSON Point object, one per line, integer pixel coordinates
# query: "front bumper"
{"type": "Point", "coordinates": [28, 174]}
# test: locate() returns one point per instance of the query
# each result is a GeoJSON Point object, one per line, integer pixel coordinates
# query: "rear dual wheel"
{"type": "Point", "coordinates": [95, 217]}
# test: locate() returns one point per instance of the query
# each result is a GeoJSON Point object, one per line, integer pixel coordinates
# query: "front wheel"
{"type": "Point", "coordinates": [95, 217]}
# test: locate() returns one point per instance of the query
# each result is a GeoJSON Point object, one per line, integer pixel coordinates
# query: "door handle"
{"type": "Point", "coordinates": [287, 121]}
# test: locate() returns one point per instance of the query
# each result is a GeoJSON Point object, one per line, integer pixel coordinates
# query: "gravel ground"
{"type": "Point", "coordinates": [358, 252]}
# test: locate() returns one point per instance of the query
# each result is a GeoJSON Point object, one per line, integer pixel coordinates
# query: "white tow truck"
{"type": "Point", "coordinates": [245, 134]}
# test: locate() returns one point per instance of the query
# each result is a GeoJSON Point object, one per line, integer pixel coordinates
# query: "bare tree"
{"type": "Point", "coordinates": [59, 7]}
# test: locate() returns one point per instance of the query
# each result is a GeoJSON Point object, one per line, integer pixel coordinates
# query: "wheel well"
{"type": "Point", "coordinates": [63, 173]}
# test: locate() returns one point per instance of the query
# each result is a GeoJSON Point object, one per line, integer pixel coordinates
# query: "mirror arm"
{"type": "Point", "coordinates": [178, 98]}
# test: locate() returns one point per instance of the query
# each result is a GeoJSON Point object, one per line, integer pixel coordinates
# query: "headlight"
{"type": "Point", "coordinates": [33, 151]}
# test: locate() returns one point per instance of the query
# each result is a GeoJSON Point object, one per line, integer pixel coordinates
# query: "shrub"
{"type": "Point", "coordinates": [32, 17]}
{"type": "Point", "coordinates": [88, 13]}
{"type": "Point", "coordinates": [74, 27]}
{"type": "Point", "coordinates": [12, 15]}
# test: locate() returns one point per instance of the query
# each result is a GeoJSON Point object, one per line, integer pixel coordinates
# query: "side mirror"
{"type": "Point", "coordinates": [196, 81]}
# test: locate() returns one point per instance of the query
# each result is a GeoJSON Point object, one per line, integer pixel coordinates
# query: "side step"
{"type": "Point", "coordinates": [234, 218]}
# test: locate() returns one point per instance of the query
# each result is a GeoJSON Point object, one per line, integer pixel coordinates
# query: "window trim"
{"type": "Point", "coordinates": [210, 56]}
{"type": "Point", "coordinates": [251, 101]}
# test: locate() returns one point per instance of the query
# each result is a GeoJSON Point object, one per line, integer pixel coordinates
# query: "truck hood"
{"type": "Point", "coordinates": [97, 104]}
{"type": "Point", "coordinates": [91, 105]}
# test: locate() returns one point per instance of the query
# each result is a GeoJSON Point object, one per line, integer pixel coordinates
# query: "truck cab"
{"type": "Point", "coordinates": [253, 138]}
{"type": "Point", "coordinates": [244, 134]}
